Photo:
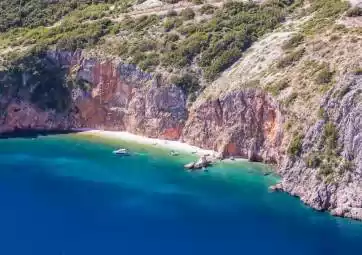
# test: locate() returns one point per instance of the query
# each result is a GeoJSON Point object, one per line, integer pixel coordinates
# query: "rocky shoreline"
{"type": "Point", "coordinates": [246, 123]}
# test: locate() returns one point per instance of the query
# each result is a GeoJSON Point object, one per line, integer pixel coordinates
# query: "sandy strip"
{"type": "Point", "coordinates": [167, 144]}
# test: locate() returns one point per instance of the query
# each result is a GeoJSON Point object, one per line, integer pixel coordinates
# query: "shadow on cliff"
{"type": "Point", "coordinates": [35, 133]}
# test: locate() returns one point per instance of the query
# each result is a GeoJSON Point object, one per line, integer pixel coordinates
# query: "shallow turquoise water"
{"type": "Point", "coordinates": [67, 195]}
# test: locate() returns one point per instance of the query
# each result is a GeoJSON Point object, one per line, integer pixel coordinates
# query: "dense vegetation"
{"type": "Point", "coordinates": [213, 45]}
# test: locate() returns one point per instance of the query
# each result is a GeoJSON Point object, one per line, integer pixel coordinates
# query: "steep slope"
{"type": "Point", "coordinates": [327, 174]}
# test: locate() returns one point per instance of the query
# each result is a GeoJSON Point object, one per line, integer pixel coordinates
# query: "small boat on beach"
{"type": "Point", "coordinates": [174, 153]}
{"type": "Point", "coordinates": [121, 152]}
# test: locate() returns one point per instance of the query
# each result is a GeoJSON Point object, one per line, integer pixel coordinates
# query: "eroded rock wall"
{"type": "Point", "coordinates": [119, 97]}
{"type": "Point", "coordinates": [340, 189]}
{"type": "Point", "coordinates": [241, 123]}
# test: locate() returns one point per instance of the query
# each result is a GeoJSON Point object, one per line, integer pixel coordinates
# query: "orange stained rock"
{"type": "Point", "coordinates": [172, 133]}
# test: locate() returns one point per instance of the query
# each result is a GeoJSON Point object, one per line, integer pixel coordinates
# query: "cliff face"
{"type": "Point", "coordinates": [121, 97]}
{"type": "Point", "coordinates": [336, 187]}
{"type": "Point", "coordinates": [242, 123]}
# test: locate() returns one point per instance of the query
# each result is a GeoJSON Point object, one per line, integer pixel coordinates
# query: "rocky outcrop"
{"type": "Point", "coordinates": [241, 123]}
{"type": "Point", "coordinates": [118, 97]}
{"type": "Point", "coordinates": [23, 115]}
{"type": "Point", "coordinates": [339, 189]}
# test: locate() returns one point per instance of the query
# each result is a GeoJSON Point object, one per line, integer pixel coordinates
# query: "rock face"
{"type": "Point", "coordinates": [244, 123]}
{"type": "Point", "coordinates": [24, 115]}
{"type": "Point", "coordinates": [341, 191]}
{"type": "Point", "coordinates": [121, 97]}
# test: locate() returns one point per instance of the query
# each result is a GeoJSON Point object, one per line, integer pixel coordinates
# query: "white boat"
{"type": "Point", "coordinates": [174, 153]}
{"type": "Point", "coordinates": [121, 152]}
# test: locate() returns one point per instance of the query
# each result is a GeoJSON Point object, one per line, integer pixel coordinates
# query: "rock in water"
{"type": "Point", "coordinates": [190, 165]}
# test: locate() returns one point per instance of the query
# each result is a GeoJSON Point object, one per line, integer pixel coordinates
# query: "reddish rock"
{"type": "Point", "coordinates": [121, 97]}
{"type": "Point", "coordinates": [243, 123]}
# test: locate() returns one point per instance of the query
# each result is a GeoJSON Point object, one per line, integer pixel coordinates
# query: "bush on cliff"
{"type": "Point", "coordinates": [324, 76]}
{"type": "Point", "coordinates": [187, 14]}
{"type": "Point", "coordinates": [293, 42]}
{"type": "Point", "coordinates": [187, 82]}
{"type": "Point", "coordinates": [295, 145]}
{"type": "Point", "coordinates": [207, 9]}
{"type": "Point", "coordinates": [291, 58]}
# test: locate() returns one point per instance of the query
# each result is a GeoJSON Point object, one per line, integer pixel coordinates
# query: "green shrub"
{"type": "Point", "coordinates": [171, 37]}
{"type": "Point", "coordinates": [171, 23]}
{"type": "Point", "coordinates": [197, 2]}
{"type": "Point", "coordinates": [188, 29]}
{"type": "Point", "coordinates": [346, 166]}
{"type": "Point", "coordinates": [34, 13]}
{"type": "Point", "coordinates": [324, 76]}
{"type": "Point", "coordinates": [90, 12]}
{"type": "Point", "coordinates": [187, 14]}
{"type": "Point", "coordinates": [185, 52]}
{"type": "Point", "coordinates": [150, 61]}
{"type": "Point", "coordinates": [293, 42]}
{"type": "Point", "coordinates": [187, 82]}
{"type": "Point", "coordinates": [358, 71]}
{"type": "Point", "coordinates": [325, 14]}
{"type": "Point", "coordinates": [233, 40]}
{"type": "Point", "coordinates": [290, 99]}
{"type": "Point", "coordinates": [145, 22]}
{"type": "Point", "coordinates": [143, 45]}
{"type": "Point", "coordinates": [291, 58]}
{"type": "Point", "coordinates": [295, 145]}
{"type": "Point", "coordinates": [278, 87]}
{"type": "Point", "coordinates": [207, 9]}
{"type": "Point", "coordinates": [354, 12]}
{"type": "Point", "coordinates": [326, 170]}
{"type": "Point", "coordinates": [313, 160]}
{"type": "Point", "coordinates": [171, 13]}
{"type": "Point", "coordinates": [220, 63]}
{"type": "Point", "coordinates": [321, 113]}
{"type": "Point", "coordinates": [330, 137]}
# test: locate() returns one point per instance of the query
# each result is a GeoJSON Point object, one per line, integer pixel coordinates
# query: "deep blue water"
{"type": "Point", "coordinates": [66, 195]}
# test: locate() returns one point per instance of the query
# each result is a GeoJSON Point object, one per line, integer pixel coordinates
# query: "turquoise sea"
{"type": "Point", "coordinates": [69, 195]}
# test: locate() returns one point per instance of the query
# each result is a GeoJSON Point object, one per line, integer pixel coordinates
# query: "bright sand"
{"type": "Point", "coordinates": [166, 144]}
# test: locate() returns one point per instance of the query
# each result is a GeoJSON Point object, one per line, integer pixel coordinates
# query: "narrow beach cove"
{"type": "Point", "coordinates": [68, 194]}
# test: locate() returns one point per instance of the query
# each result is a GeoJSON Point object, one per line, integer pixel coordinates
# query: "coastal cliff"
{"type": "Point", "coordinates": [241, 123]}
{"type": "Point", "coordinates": [277, 82]}
{"type": "Point", "coordinates": [327, 173]}
{"type": "Point", "coordinates": [121, 97]}
{"type": "Point", "coordinates": [247, 123]}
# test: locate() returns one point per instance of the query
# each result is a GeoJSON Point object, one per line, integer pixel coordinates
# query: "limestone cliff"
{"type": "Point", "coordinates": [334, 181]}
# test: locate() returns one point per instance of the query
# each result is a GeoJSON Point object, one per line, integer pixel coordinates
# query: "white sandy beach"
{"type": "Point", "coordinates": [167, 144]}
